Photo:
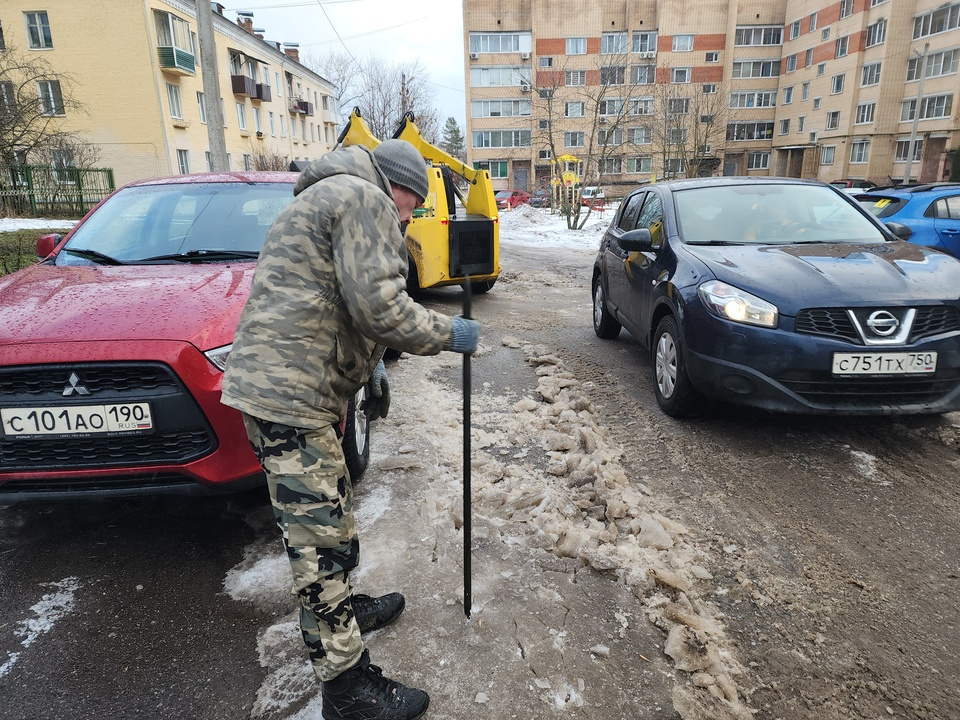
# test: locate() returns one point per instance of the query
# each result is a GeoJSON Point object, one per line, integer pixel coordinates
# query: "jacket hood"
{"type": "Point", "coordinates": [199, 304]}
{"type": "Point", "coordinates": [796, 276]}
{"type": "Point", "coordinates": [355, 160]}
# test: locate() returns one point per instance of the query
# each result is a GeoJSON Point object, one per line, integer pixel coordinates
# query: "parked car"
{"type": "Point", "coordinates": [511, 198]}
{"type": "Point", "coordinates": [593, 197]}
{"type": "Point", "coordinates": [540, 198]}
{"type": "Point", "coordinates": [780, 294]}
{"type": "Point", "coordinates": [853, 184]}
{"type": "Point", "coordinates": [931, 211]}
{"type": "Point", "coordinates": [112, 348]}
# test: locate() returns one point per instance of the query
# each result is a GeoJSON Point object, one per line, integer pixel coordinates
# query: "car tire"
{"type": "Point", "coordinates": [605, 325]}
{"type": "Point", "coordinates": [356, 437]}
{"type": "Point", "coordinates": [676, 396]}
{"type": "Point", "coordinates": [479, 288]}
{"type": "Point", "coordinates": [413, 279]}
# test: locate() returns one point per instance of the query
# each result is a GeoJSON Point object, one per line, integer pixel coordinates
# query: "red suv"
{"type": "Point", "coordinates": [112, 348]}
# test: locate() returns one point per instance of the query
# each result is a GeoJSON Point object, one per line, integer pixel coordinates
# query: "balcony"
{"type": "Point", "coordinates": [243, 85]}
{"type": "Point", "coordinates": [176, 61]}
{"type": "Point", "coordinates": [301, 106]}
{"type": "Point", "coordinates": [263, 92]}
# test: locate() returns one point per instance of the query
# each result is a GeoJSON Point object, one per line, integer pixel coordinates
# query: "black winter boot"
{"type": "Point", "coordinates": [373, 613]}
{"type": "Point", "coordinates": [363, 693]}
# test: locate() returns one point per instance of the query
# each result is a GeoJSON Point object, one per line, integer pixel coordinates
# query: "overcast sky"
{"type": "Point", "coordinates": [395, 31]}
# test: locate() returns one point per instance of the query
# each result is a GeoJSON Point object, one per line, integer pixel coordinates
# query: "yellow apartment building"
{"type": "Point", "coordinates": [625, 92]}
{"type": "Point", "coordinates": [135, 67]}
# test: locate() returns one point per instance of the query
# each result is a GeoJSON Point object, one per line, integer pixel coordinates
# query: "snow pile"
{"type": "Point", "coordinates": [538, 227]}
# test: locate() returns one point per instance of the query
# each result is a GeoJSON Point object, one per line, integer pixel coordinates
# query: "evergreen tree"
{"type": "Point", "coordinates": [452, 141]}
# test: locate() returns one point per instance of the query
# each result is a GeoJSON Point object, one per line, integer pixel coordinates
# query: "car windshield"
{"type": "Point", "coordinates": [503, 194]}
{"type": "Point", "coordinates": [178, 221]}
{"type": "Point", "coordinates": [758, 214]}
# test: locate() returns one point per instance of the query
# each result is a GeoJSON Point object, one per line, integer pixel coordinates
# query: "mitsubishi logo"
{"type": "Point", "coordinates": [883, 323]}
{"type": "Point", "coordinates": [74, 386]}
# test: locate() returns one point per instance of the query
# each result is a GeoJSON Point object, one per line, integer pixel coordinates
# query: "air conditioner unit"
{"type": "Point", "coordinates": [524, 56]}
{"type": "Point", "coordinates": [603, 121]}
{"type": "Point", "coordinates": [525, 88]}
{"type": "Point", "coordinates": [474, 56]}
{"type": "Point", "coordinates": [647, 54]}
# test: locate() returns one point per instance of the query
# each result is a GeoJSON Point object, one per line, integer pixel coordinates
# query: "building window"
{"type": "Point", "coordinates": [241, 116]}
{"type": "Point", "coordinates": [767, 35]}
{"type": "Point", "coordinates": [675, 167]}
{"type": "Point", "coordinates": [546, 62]}
{"type": "Point", "coordinates": [38, 30]}
{"type": "Point", "coordinates": [788, 95]}
{"type": "Point", "coordinates": [498, 42]}
{"type": "Point", "coordinates": [938, 64]}
{"type": "Point", "coordinates": [903, 150]}
{"type": "Point", "coordinates": [201, 108]}
{"type": "Point", "coordinates": [183, 161]}
{"type": "Point", "coordinates": [610, 166]}
{"type": "Point", "coordinates": [644, 42]}
{"type": "Point", "coordinates": [794, 29]}
{"type": "Point", "coordinates": [755, 68]}
{"type": "Point", "coordinates": [842, 46]}
{"type": "Point", "coordinates": [273, 124]}
{"type": "Point", "coordinates": [576, 77]}
{"type": "Point", "coordinates": [613, 75]}
{"type": "Point", "coordinates": [610, 106]}
{"type": "Point", "coordinates": [785, 127]}
{"type": "Point", "coordinates": [943, 19]}
{"type": "Point", "coordinates": [641, 106]}
{"type": "Point", "coordinates": [870, 74]}
{"type": "Point", "coordinates": [677, 136]}
{"type": "Point", "coordinates": [640, 135]}
{"type": "Point", "coordinates": [501, 138]}
{"type": "Point", "coordinates": [679, 75]}
{"type": "Point", "coordinates": [498, 169]}
{"type": "Point", "coordinates": [247, 162]}
{"type": "Point", "coordinates": [865, 113]}
{"type": "Point", "coordinates": [825, 35]}
{"type": "Point", "coordinates": [859, 151]}
{"type": "Point", "coordinates": [501, 108]}
{"type": "Point", "coordinates": [613, 43]}
{"type": "Point", "coordinates": [791, 62]}
{"type": "Point", "coordinates": [821, 69]}
{"type": "Point", "coordinates": [827, 153]}
{"type": "Point", "coordinates": [283, 126]}
{"type": "Point", "coordinates": [543, 124]}
{"type": "Point", "coordinates": [836, 84]}
{"type": "Point", "coordinates": [208, 156]}
{"type": "Point", "coordinates": [813, 22]}
{"type": "Point", "coordinates": [876, 33]}
{"type": "Point", "coordinates": [767, 98]}
{"type": "Point", "coordinates": [499, 76]}
{"type": "Point", "coordinates": [801, 123]}
{"type": "Point", "coordinates": [639, 164]}
{"type": "Point", "coordinates": [51, 98]}
{"type": "Point", "coordinates": [816, 103]}
{"type": "Point", "coordinates": [257, 126]}
{"type": "Point", "coordinates": [678, 106]}
{"type": "Point", "coordinates": [610, 137]}
{"type": "Point", "coordinates": [710, 89]}
{"type": "Point", "coordinates": [750, 131]}
{"type": "Point", "coordinates": [935, 106]}
{"type": "Point", "coordinates": [544, 154]}
{"type": "Point", "coordinates": [573, 139]}
{"type": "Point", "coordinates": [577, 46]}
{"type": "Point", "coordinates": [833, 120]}
{"type": "Point", "coordinates": [758, 161]}
{"type": "Point", "coordinates": [846, 8]}
{"type": "Point", "coordinates": [808, 60]}
{"type": "Point", "coordinates": [573, 109]}
{"type": "Point", "coordinates": [643, 74]}
{"type": "Point", "coordinates": [683, 43]}
{"type": "Point", "coordinates": [63, 167]}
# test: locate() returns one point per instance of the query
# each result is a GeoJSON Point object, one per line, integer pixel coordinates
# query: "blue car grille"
{"type": "Point", "coordinates": [181, 432]}
{"type": "Point", "coordinates": [835, 323]}
{"type": "Point", "coordinates": [821, 389]}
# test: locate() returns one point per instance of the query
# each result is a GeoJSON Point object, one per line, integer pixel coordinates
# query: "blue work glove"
{"type": "Point", "coordinates": [464, 336]}
{"type": "Point", "coordinates": [377, 403]}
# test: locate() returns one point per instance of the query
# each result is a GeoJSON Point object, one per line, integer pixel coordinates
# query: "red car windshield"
{"type": "Point", "coordinates": [178, 221]}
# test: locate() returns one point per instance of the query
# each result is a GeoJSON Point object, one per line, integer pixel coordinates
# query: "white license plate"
{"type": "Point", "coordinates": [77, 419]}
{"type": "Point", "coordinates": [900, 363]}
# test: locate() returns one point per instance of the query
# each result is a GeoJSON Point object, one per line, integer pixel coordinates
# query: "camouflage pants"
{"type": "Point", "coordinates": [312, 501]}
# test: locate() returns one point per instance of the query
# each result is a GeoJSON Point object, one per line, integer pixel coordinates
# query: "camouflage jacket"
{"type": "Point", "coordinates": [328, 293]}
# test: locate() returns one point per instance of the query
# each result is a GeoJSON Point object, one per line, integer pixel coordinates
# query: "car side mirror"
{"type": "Point", "coordinates": [636, 240]}
{"type": "Point", "coordinates": [46, 244]}
{"type": "Point", "coordinates": [900, 230]}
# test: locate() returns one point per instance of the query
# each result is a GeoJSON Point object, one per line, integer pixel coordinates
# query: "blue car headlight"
{"type": "Point", "coordinates": [732, 303]}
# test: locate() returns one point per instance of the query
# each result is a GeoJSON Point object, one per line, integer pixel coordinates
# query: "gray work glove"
{"type": "Point", "coordinates": [377, 403]}
{"type": "Point", "coordinates": [464, 336]}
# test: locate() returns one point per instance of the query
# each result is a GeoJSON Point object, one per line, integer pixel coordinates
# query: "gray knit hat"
{"type": "Point", "coordinates": [403, 165]}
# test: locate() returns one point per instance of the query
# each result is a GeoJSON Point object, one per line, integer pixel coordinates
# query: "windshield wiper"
{"type": "Point", "coordinates": [203, 256]}
{"type": "Point", "coordinates": [713, 242]}
{"type": "Point", "coordinates": [93, 255]}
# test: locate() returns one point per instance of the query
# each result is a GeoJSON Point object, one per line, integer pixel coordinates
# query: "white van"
{"type": "Point", "coordinates": [592, 195]}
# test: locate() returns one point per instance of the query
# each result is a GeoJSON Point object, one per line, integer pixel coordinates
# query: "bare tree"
{"type": "Point", "coordinates": [32, 98]}
{"type": "Point", "coordinates": [383, 91]}
{"type": "Point", "coordinates": [266, 158]}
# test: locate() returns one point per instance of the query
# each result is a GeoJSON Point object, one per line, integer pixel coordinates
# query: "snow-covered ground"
{"type": "Point", "coordinates": [8, 224]}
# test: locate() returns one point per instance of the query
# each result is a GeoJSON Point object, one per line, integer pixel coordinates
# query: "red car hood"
{"type": "Point", "coordinates": [199, 304]}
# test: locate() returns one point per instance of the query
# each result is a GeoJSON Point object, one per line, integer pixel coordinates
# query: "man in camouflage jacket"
{"type": "Point", "coordinates": [328, 296]}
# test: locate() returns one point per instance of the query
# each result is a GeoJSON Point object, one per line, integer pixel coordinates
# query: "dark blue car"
{"type": "Point", "coordinates": [931, 211]}
{"type": "Point", "coordinates": [780, 294]}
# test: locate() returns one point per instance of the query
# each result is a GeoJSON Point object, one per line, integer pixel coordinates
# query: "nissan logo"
{"type": "Point", "coordinates": [882, 323]}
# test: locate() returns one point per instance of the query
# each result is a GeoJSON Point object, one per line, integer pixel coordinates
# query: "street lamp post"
{"type": "Point", "coordinates": [911, 149]}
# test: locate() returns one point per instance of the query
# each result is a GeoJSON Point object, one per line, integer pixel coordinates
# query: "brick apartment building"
{"type": "Point", "coordinates": [638, 90]}
{"type": "Point", "coordinates": [135, 69]}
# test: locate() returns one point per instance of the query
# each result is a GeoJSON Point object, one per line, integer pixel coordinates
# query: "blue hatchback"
{"type": "Point", "coordinates": [931, 211]}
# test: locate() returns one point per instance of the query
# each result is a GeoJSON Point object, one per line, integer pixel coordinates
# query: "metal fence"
{"type": "Point", "coordinates": [42, 190]}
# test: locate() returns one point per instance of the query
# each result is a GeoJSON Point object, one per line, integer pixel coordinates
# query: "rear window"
{"type": "Point", "coordinates": [881, 207]}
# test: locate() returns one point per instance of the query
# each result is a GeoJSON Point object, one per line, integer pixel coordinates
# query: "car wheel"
{"type": "Point", "coordinates": [604, 324]}
{"type": "Point", "coordinates": [413, 279]}
{"type": "Point", "coordinates": [356, 437]}
{"type": "Point", "coordinates": [478, 288]}
{"type": "Point", "coordinates": [675, 395]}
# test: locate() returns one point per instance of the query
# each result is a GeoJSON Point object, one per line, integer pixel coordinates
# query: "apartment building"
{"type": "Point", "coordinates": [137, 81]}
{"type": "Point", "coordinates": [624, 92]}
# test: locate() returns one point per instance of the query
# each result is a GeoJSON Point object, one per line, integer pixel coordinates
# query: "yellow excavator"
{"type": "Point", "coordinates": [446, 244]}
